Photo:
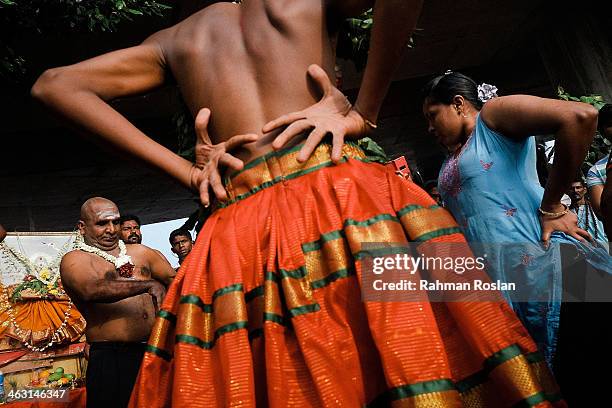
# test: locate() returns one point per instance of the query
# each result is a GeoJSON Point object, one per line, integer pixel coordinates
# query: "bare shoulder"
{"type": "Point", "coordinates": [511, 105]}
{"type": "Point", "coordinates": [76, 263]}
{"type": "Point", "coordinates": [498, 110]}
{"type": "Point", "coordinates": [503, 102]}
{"type": "Point", "coordinates": [136, 249]}
{"type": "Point", "coordinates": [217, 13]}
{"type": "Point", "coordinates": [189, 36]}
{"type": "Point", "coordinates": [537, 115]}
{"type": "Point", "coordinates": [71, 259]}
{"type": "Point", "coordinates": [160, 41]}
{"type": "Point", "coordinates": [142, 252]}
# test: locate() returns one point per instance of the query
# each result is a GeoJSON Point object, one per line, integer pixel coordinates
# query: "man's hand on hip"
{"type": "Point", "coordinates": [209, 157]}
{"type": "Point", "coordinates": [157, 292]}
{"type": "Point", "coordinates": [332, 114]}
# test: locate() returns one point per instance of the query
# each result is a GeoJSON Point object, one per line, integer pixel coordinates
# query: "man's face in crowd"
{"type": "Point", "coordinates": [577, 192]}
{"type": "Point", "coordinates": [181, 245]}
{"type": "Point", "coordinates": [100, 226]}
{"type": "Point", "coordinates": [130, 232]}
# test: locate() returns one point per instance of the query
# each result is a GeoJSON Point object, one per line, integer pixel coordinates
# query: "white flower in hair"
{"type": "Point", "coordinates": [486, 92]}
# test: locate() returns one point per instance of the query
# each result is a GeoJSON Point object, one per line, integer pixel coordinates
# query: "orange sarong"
{"type": "Point", "coordinates": [267, 309]}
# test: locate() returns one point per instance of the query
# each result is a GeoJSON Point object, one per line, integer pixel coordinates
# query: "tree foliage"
{"type": "Point", "coordinates": [50, 16]}
{"type": "Point", "coordinates": [354, 39]}
{"type": "Point", "coordinates": [600, 146]}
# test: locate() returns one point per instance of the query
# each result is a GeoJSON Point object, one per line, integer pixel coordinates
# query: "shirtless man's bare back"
{"type": "Point", "coordinates": [248, 64]}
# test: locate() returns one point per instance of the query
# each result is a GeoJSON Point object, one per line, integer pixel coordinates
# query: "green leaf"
{"type": "Point", "coordinates": [374, 152]}
{"type": "Point", "coordinates": [560, 91]}
{"type": "Point", "coordinates": [354, 23]}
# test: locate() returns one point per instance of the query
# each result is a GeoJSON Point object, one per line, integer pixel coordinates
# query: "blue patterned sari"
{"type": "Point", "coordinates": [491, 187]}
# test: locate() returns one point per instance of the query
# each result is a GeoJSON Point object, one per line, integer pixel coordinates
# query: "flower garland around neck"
{"type": "Point", "coordinates": [123, 263]}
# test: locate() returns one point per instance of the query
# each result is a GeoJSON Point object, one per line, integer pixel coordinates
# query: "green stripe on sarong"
{"type": "Point", "coordinates": [237, 287]}
{"type": "Point", "coordinates": [159, 352]}
{"type": "Point", "coordinates": [195, 300]}
{"type": "Point", "coordinates": [437, 233]}
{"type": "Point", "coordinates": [164, 314]}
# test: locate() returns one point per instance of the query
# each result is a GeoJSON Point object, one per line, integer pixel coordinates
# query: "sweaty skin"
{"type": "Point", "coordinates": [116, 309]}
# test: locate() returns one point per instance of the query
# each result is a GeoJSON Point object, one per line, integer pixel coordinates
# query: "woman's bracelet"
{"type": "Point", "coordinates": [553, 214]}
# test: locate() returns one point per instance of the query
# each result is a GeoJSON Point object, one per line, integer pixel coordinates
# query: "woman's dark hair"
{"type": "Point", "coordinates": [443, 88]}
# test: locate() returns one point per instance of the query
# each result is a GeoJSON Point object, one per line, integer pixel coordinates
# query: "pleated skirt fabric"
{"type": "Point", "coordinates": [267, 309]}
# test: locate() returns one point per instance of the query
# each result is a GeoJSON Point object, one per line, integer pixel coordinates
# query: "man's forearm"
{"type": "Point", "coordinates": [394, 22]}
{"type": "Point", "coordinates": [110, 291]}
{"type": "Point", "coordinates": [93, 115]}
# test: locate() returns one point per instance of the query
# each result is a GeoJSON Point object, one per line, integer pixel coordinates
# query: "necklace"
{"type": "Point", "coordinates": [123, 262]}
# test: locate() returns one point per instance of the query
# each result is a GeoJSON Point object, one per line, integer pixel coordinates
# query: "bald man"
{"type": "Point", "coordinates": [117, 288]}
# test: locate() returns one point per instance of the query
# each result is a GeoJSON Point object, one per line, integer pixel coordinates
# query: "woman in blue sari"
{"type": "Point", "coordinates": [490, 184]}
